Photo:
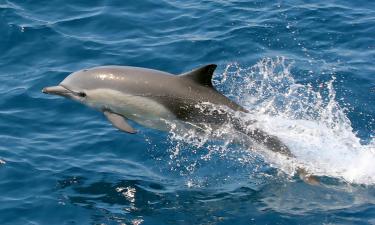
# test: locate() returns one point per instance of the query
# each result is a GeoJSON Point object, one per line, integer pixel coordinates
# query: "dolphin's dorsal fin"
{"type": "Point", "coordinates": [202, 75]}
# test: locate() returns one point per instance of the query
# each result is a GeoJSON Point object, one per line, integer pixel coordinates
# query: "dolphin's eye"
{"type": "Point", "coordinates": [82, 94]}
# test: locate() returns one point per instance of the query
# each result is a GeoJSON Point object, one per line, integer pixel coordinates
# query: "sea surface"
{"type": "Point", "coordinates": [304, 69]}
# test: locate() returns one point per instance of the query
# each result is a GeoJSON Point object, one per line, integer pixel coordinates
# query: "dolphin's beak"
{"type": "Point", "coordinates": [56, 90]}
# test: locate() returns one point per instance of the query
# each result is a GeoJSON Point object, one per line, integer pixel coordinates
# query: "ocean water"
{"type": "Point", "coordinates": [304, 69]}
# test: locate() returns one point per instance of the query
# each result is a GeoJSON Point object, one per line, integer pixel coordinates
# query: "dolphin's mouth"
{"type": "Point", "coordinates": [56, 90]}
{"type": "Point", "coordinates": [62, 91]}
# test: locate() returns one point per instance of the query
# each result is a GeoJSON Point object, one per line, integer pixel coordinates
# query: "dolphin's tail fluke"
{"type": "Point", "coordinates": [307, 178]}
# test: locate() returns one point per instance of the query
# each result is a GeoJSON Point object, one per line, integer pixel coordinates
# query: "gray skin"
{"type": "Point", "coordinates": [154, 98]}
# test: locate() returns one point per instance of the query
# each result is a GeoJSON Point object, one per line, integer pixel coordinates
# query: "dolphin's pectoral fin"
{"type": "Point", "coordinates": [119, 122]}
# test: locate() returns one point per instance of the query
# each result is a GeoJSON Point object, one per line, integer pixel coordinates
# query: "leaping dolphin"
{"type": "Point", "coordinates": [158, 99]}
{"type": "Point", "coordinates": [155, 99]}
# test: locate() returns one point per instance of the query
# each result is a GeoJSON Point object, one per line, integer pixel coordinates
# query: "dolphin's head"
{"type": "Point", "coordinates": [72, 87]}
{"type": "Point", "coordinates": [93, 87]}
{"type": "Point", "coordinates": [82, 86]}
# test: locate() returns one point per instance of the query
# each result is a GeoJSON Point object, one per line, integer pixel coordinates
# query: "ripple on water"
{"type": "Point", "coordinates": [60, 158]}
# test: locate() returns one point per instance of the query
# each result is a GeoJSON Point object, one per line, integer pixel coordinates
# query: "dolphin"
{"type": "Point", "coordinates": [157, 99]}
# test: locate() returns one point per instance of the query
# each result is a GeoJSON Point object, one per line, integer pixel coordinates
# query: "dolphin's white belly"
{"type": "Point", "coordinates": [140, 109]}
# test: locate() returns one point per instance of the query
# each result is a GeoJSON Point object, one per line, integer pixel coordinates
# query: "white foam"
{"type": "Point", "coordinates": [309, 121]}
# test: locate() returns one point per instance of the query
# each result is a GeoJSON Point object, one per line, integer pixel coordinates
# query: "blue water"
{"type": "Point", "coordinates": [304, 69]}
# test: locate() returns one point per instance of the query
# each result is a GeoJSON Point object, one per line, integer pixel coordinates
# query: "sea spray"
{"type": "Point", "coordinates": [307, 119]}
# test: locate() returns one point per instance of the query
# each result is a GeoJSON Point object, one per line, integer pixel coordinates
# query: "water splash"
{"type": "Point", "coordinates": [307, 119]}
